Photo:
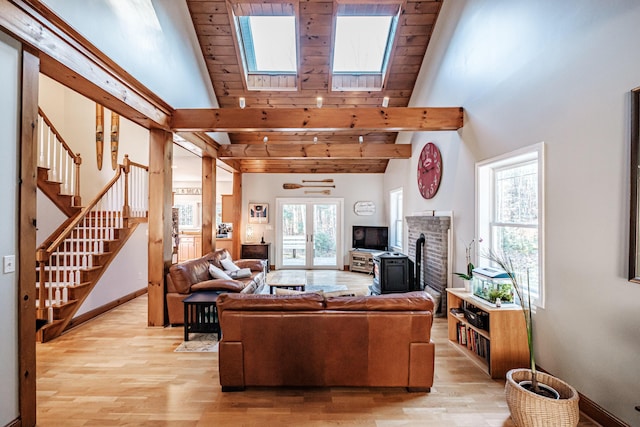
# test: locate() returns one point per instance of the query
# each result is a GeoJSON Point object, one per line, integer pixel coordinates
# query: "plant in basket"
{"type": "Point", "coordinates": [535, 398]}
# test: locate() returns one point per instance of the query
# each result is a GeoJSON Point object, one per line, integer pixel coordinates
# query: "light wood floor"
{"type": "Point", "coordinates": [115, 371]}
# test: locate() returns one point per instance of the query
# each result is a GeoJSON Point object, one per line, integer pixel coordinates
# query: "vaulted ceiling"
{"type": "Point", "coordinates": [344, 148]}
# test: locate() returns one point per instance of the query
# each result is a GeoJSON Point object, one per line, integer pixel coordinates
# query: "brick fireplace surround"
{"type": "Point", "coordinates": [435, 254]}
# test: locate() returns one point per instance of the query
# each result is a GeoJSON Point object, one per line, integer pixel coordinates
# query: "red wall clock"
{"type": "Point", "coordinates": [429, 171]}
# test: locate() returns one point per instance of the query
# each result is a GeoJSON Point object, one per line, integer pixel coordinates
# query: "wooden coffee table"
{"type": "Point", "coordinates": [288, 279]}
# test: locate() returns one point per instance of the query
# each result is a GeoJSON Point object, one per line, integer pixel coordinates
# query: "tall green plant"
{"type": "Point", "coordinates": [504, 262]}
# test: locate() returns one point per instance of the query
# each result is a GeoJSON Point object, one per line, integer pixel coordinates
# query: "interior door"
{"type": "Point", "coordinates": [309, 233]}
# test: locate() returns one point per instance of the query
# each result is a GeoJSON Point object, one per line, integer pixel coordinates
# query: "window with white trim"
{"type": "Point", "coordinates": [510, 214]}
{"type": "Point", "coordinates": [395, 198]}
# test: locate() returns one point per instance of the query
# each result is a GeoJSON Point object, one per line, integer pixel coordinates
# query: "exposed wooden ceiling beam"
{"type": "Point", "coordinates": [392, 119]}
{"type": "Point", "coordinates": [315, 151]}
{"type": "Point", "coordinates": [70, 59]}
{"type": "Point", "coordinates": [203, 143]}
{"type": "Point", "coordinates": [313, 166]}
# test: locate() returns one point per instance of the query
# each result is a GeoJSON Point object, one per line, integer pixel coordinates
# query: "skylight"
{"type": "Point", "coordinates": [362, 43]}
{"type": "Point", "coordinates": [269, 43]}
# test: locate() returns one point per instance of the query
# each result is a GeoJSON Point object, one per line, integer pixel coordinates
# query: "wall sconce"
{"type": "Point", "coordinates": [265, 139]}
{"type": "Point", "coordinates": [360, 139]}
{"type": "Point", "coordinates": [242, 102]}
{"type": "Point", "coordinates": [385, 101]}
{"type": "Point", "coordinates": [319, 102]}
{"type": "Point", "coordinates": [315, 139]}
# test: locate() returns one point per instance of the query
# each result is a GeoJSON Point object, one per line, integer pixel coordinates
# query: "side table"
{"type": "Point", "coordinates": [257, 251]}
{"type": "Point", "coordinates": [201, 314]}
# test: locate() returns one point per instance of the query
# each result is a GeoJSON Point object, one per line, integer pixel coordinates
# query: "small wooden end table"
{"type": "Point", "coordinates": [288, 279]}
{"type": "Point", "coordinates": [201, 314]}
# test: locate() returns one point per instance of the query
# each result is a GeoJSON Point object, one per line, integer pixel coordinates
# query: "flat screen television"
{"type": "Point", "coordinates": [370, 237]}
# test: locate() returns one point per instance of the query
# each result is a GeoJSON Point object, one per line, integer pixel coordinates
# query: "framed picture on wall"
{"type": "Point", "coordinates": [258, 213]}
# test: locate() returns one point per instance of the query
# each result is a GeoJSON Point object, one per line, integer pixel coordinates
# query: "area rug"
{"type": "Point", "coordinates": [199, 343]}
{"type": "Point", "coordinates": [325, 288]}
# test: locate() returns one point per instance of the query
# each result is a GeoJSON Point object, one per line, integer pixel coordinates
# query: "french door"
{"type": "Point", "coordinates": [309, 233]}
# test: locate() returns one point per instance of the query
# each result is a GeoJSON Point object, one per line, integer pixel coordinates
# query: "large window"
{"type": "Point", "coordinates": [510, 213]}
{"type": "Point", "coordinates": [269, 43]}
{"type": "Point", "coordinates": [363, 40]}
{"type": "Point", "coordinates": [395, 204]}
{"type": "Point", "coordinates": [362, 43]}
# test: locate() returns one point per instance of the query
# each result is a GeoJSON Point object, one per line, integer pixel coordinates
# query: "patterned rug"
{"type": "Point", "coordinates": [325, 288]}
{"type": "Point", "coordinates": [199, 343]}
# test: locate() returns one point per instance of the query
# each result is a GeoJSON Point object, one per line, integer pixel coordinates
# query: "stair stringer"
{"type": "Point", "coordinates": [51, 189]}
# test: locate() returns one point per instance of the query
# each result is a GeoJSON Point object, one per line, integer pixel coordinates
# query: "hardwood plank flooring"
{"type": "Point", "coordinates": [116, 371]}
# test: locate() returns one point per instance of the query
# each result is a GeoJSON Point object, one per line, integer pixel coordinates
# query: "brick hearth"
{"type": "Point", "coordinates": [435, 254]}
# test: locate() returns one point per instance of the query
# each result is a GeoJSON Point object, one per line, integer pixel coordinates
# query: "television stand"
{"type": "Point", "coordinates": [361, 261]}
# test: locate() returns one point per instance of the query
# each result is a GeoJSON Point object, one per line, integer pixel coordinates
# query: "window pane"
{"type": "Point", "coordinates": [398, 234]}
{"type": "Point", "coordinates": [269, 43]}
{"type": "Point", "coordinates": [324, 234]}
{"type": "Point", "coordinates": [361, 43]}
{"type": "Point", "coordinates": [294, 234]}
{"type": "Point", "coordinates": [521, 246]}
{"type": "Point", "coordinates": [185, 215]}
{"type": "Point", "coordinates": [517, 194]}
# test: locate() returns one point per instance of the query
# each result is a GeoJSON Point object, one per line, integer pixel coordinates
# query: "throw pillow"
{"type": "Point", "coordinates": [240, 273]}
{"type": "Point", "coordinates": [228, 265]}
{"type": "Point", "coordinates": [217, 273]}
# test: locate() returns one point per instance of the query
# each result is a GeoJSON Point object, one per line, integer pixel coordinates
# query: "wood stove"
{"type": "Point", "coordinates": [392, 273]}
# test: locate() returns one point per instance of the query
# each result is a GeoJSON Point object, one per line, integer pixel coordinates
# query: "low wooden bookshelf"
{"type": "Point", "coordinates": [496, 348]}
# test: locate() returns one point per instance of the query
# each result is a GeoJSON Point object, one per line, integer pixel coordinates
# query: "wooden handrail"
{"type": "Point", "coordinates": [46, 249]}
{"type": "Point", "coordinates": [57, 134]}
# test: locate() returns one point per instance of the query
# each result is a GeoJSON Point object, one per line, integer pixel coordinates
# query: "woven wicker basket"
{"type": "Point", "coordinates": [529, 409]}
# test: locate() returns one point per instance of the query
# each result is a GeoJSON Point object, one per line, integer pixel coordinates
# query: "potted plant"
{"type": "Point", "coordinates": [469, 274]}
{"type": "Point", "coordinates": [535, 398]}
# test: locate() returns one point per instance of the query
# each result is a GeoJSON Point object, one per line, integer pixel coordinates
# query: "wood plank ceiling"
{"type": "Point", "coordinates": [316, 18]}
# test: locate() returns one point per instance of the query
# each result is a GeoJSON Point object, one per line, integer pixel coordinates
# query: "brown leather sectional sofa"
{"type": "Point", "coordinates": [310, 340]}
{"type": "Point", "coordinates": [192, 276]}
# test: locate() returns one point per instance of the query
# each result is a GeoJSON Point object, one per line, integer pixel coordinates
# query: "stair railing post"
{"type": "Point", "coordinates": [126, 208]}
{"type": "Point", "coordinates": [76, 196]}
{"type": "Point", "coordinates": [42, 257]}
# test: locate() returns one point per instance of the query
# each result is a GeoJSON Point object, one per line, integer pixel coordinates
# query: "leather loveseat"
{"type": "Point", "coordinates": [193, 276]}
{"type": "Point", "coordinates": [310, 340]}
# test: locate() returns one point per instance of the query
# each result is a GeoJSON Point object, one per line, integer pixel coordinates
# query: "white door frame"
{"type": "Point", "coordinates": [339, 201]}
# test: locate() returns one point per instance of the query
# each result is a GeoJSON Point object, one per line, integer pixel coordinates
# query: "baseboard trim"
{"type": "Point", "coordinates": [594, 411]}
{"type": "Point", "coordinates": [598, 414]}
{"type": "Point", "coordinates": [85, 317]}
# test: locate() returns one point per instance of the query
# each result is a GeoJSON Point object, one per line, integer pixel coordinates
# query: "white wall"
{"type": "Point", "coordinates": [10, 67]}
{"type": "Point", "coordinates": [127, 273]}
{"type": "Point", "coordinates": [49, 217]}
{"type": "Point", "coordinates": [558, 72]}
{"type": "Point", "coordinates": [265, 188]}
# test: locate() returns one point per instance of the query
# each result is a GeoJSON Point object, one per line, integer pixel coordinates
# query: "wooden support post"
{"type": "Point", "coordinates": [160, 159]}
{"type": "Point", "coordinates": [27, 240]}
{"type": "Point", "coordinates": [237, 213]}
{"type": "Point", "coordinates": [208, 203]}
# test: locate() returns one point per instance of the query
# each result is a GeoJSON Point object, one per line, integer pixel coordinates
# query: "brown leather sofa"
{"type": "Point", "coordinates": [193, 275]}
{"type": "Point", "coordinates": [310, 340]}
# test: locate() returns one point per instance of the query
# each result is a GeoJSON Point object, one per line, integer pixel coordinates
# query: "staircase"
{"type": "Point", "coordinates": [71, 261]}
{"type": "Point", "coordinates": [58, 168]}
